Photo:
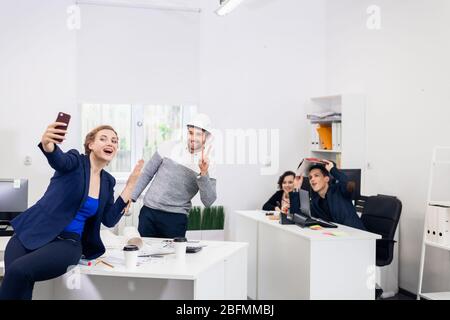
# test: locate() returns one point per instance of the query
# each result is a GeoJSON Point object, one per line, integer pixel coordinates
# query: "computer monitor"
{"type": "Point", "coordinates": [13, 198]}
{"type": "Point", "coordinates": [354, 176]}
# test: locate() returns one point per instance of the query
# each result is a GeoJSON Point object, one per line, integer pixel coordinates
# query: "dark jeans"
{"type": "Point", "coordinates": [24, 267]}
{"type": "Point", "coordinates": [160, 224]}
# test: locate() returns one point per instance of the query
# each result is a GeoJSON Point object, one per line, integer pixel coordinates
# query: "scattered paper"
{"type": "Point", "coordinates": [335, 233]}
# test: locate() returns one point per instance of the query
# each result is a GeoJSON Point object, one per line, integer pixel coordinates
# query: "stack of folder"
{"type": "Point", "coordinates": [437, 225]}
{"type": "Point", "coordinates": [325, 137]}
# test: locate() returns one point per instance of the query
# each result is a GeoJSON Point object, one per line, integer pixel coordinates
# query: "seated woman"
{"type": "Point", "coordinates": [280, 200]}
{"type": "Point", "coordinates": [64, 224]}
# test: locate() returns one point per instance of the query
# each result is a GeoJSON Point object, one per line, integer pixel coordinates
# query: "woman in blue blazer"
{"type": "Point", "coordinates": [64, 225]}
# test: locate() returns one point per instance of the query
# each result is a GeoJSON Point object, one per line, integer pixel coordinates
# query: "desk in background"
{"type": "Point", "coordinates": [288, 262]}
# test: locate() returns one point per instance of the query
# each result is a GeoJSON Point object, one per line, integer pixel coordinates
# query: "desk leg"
{"type": "Point", "coordinates": [247, 231]}
{"type": "Point", "coordinates": [343, 270]}
{"type": "Point", "coordinates": [210, 284]}
{"type": "Point", "coordinates": [227, 280]}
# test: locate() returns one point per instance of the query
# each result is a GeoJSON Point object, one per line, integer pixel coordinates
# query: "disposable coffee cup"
{"type": "Point", "coordinates": [131, 256]}
{"type": "Point", "coordinates": [180, 244]}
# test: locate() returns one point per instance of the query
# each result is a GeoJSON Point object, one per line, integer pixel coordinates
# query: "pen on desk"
{"type": "Point", "coordinates": [154, 254]}
{"type": "Point", "coordinates": [105, 263]}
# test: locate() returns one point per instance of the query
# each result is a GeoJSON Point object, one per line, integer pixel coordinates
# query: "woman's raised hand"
{"type": "Point", "coordinates": [134, 176]}
{"type": "Point", "coordinates": [51, 136]}
{"type": "Point", "coordinates": [131, 182]}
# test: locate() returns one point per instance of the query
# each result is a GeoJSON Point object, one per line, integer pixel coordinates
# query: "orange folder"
{"type": "Point", "coordinates": [325, 137]}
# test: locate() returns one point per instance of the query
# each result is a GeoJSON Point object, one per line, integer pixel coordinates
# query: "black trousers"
{"type": "Point", "coordinates": [160, 224]}
{"type": "Point", "coordinates": [24, 267]}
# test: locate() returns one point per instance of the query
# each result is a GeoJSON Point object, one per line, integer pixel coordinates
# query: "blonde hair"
{"type": "Point", "coordinates": [90, 137]}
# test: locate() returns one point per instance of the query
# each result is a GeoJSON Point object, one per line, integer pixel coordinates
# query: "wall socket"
{"type": "Point", "coordinates": [27, 161]}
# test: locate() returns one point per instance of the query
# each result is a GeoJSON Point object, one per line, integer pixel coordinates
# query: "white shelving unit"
{"type": "Point", "coordinates": [442, 204]}
{"type": "Point", "coordinates": [352, 152]}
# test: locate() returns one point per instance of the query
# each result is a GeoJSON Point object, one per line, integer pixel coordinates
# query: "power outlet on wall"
{"type": "Point", "coordinates": [27, 161]}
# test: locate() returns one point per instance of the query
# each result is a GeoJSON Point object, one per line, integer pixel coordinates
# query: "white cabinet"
{"type": "Point", "coordinates": [348, 134]}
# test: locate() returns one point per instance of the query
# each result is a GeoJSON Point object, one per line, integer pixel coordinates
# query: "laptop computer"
{"type": "Point", "coordinates": [304, 219]}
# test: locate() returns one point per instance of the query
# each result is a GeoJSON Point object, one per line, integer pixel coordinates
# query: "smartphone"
{"type": "Point", "coordinates": [65, 118]}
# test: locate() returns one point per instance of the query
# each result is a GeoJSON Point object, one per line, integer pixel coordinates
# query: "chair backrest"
{"type": "Point", "coordinates": [381, 215]}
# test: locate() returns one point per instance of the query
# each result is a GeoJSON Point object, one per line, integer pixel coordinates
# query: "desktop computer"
{"type": "Point", "coordinates": [13, 201]}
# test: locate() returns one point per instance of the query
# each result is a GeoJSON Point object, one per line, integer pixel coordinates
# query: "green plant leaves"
{"type": "Point", "coordinates": [212, 218]}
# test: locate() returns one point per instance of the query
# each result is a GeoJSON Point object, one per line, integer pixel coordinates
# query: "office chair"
{"type": "Point", "coordinates": [380, 214]}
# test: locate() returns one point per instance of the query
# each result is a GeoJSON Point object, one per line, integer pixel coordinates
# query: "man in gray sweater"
{"type": "Point", "coordinates": [177, 172]}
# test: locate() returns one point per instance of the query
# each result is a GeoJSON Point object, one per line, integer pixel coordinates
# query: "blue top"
{"type": "Point", "coordinates": [88, 210]}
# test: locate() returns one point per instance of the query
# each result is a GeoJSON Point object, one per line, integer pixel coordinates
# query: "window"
{"type": "Point", "coordinates": [141, 128]}
{"type": "Point", "coordinates": [161, 123]}
{"type": "Point", "coordinates": [119, 117]}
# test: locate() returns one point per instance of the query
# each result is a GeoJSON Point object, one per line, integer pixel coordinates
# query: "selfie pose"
{"type": "Point", "coordinates": [64, 225]}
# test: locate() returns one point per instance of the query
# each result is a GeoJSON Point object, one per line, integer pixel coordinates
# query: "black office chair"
{"type": "Point", "coordinates": [380, 214]}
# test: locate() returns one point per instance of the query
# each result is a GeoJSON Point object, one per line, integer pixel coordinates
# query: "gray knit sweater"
{"type": "Point", "coordinates": [173, 185]}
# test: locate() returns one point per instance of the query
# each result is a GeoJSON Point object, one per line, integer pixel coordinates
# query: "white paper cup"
{"type": "Point", "coordinates": [180, 245]}
{"type": "Point", "coordinates": [131, 256]}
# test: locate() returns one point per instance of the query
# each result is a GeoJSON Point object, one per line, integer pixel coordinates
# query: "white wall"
{"type": "Point", "coordinates": [37, 79]}
{"type": "Point", "coordinates": [404, 70]}
{"type": "Point", "coordinates": [257, 68]}
{"type": "Point", "coordinates": [259, 65]}
{"type": "Point", "coordinates": [120, 55]}
{"type": "Point", "coordinates": [134, 55]}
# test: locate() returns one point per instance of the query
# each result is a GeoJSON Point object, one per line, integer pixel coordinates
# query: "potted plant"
{"type": "Point", "coordinates": [207, 224]}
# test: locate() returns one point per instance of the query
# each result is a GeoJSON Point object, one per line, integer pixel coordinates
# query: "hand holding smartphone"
{"type": "Point", "coordinates": [55, 132]}
{"type": "Point", "coordinates": [63, 118]}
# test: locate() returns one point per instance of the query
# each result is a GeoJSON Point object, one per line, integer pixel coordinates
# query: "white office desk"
{"type": "Point", "coordinates": [3, 243]}
{"type": "Point", "coordinates": [289, 262]}
{"type": "Point", "coordinates": [218, 271]}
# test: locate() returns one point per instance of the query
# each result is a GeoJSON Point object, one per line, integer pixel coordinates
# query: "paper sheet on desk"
{"type": "Point", "coordinates": [156, 247]}
{"type": "Point", "coordinates": [336, 233]}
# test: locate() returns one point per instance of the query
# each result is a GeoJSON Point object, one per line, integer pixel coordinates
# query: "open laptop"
{"type": "Point", "coordinates": [305, 219]}
{"type": "Point", "coordinates": [305, 203]}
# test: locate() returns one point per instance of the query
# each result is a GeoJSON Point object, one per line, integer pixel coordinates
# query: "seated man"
{"type": "Point", "coordinates": [330, 202]}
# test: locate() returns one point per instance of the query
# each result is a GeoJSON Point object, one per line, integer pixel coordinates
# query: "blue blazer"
{"type": "Point", "coordinates": [66, 193]}
{"type": "Point", "coordinates": [339, 201]}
